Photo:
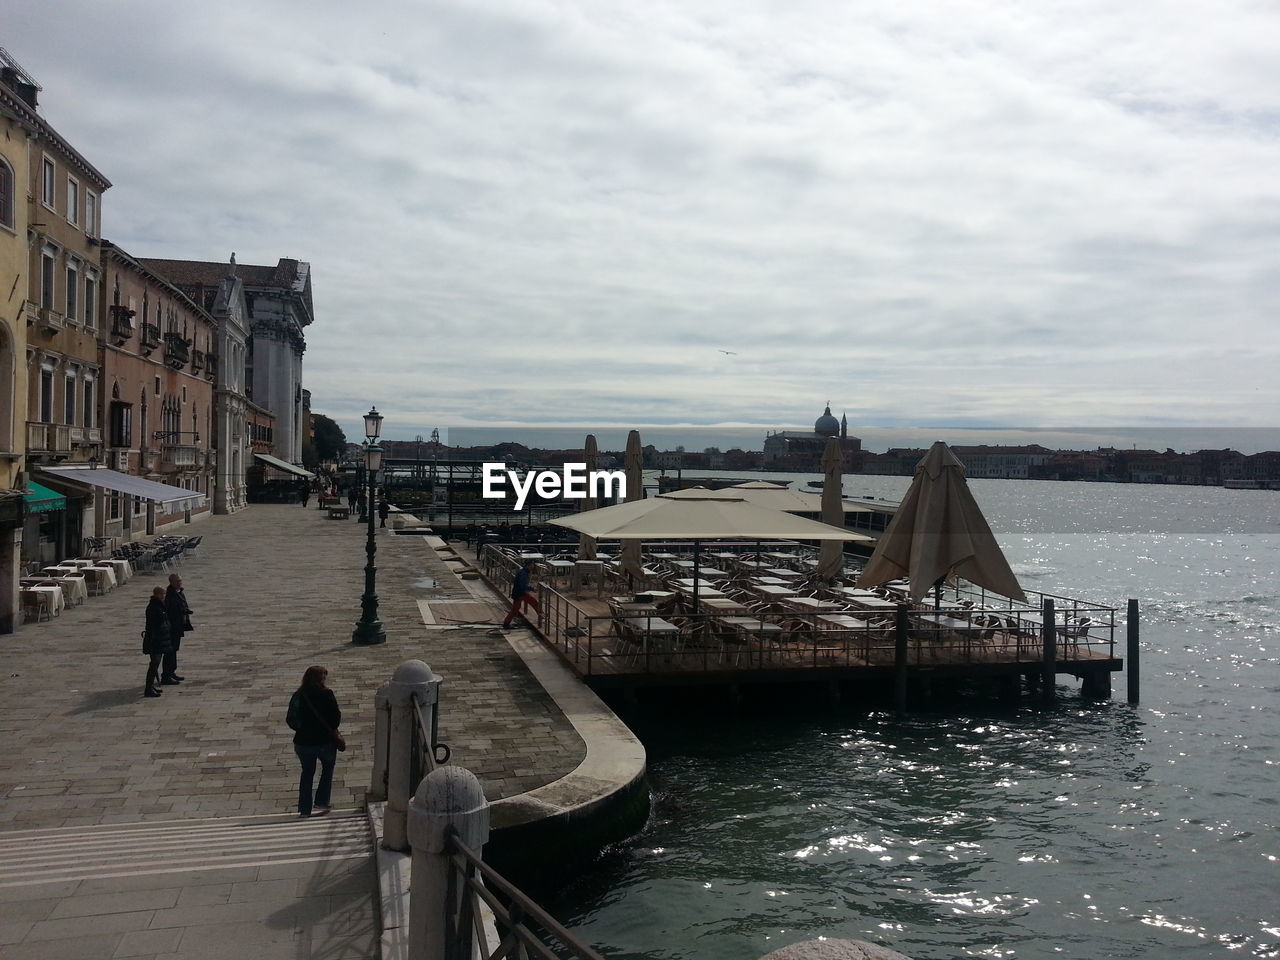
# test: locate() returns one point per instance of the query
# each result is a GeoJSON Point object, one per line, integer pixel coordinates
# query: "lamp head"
{"type": "Point", "coordinates": [373, 457]}
{"type": "Point", "coordinates": [373, 424]}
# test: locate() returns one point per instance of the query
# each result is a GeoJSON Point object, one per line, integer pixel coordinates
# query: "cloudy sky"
{"type": "Point", "coordinates": [546, 211]}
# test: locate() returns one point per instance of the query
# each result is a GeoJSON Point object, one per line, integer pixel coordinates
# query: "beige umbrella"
{"type": "Point", "coordinates": [711, 516]}
{"type": "Point", "coordinates": [586, 545]}
{"type": "Point", "coordinates": [831, 555]}
{"type": "Point", "coordinates": [938, 532]}
{"type": "Point", "coordinates": [633, 465]}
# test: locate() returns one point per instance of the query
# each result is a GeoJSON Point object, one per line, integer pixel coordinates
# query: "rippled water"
{"type": "Point", "coordinates": [1091, 830]}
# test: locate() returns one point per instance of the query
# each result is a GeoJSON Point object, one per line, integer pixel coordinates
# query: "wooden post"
{"type": "Point", "coordinates": [1048, 683]}
{"type": "Point", "coordinates": [1131, 662]}
{"type": "Point", "coordinates": [902, 625]}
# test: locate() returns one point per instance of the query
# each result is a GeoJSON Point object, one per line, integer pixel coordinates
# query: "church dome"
{"type": "Point", "coordinates": [827, 425]}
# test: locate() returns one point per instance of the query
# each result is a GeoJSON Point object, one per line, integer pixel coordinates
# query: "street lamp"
{"type": "Point", "coordinates": [369, 628]}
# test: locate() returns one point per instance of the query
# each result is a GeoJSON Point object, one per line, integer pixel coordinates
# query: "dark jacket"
{"type": "Point", "coordinates": [384, 509]}
{"type": "Point", "coordinates": [157, 638]}
{"type": "Point", "coordinates": [520, 585]}
{"type": "Point", "coordinates": [312, 727]}
{"type": "Point", "coordinates": [175, 602]}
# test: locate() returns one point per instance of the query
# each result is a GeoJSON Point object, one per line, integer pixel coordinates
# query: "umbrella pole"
{"type": "Point", "coordinates": [695, 577]}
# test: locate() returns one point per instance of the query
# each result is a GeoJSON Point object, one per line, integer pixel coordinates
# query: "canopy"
{"type": "Point", "coordinates": [699, 515]}
{"type": "Point", "coordinates": [126, 483]}
{"type": "Point", "coordinates": [939, 532]}
{"type": "Point", "coordinates": [40, 499]}
{"type": "Point", "coordinates": [284, 465]}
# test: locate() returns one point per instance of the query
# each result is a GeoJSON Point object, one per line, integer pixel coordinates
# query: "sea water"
{"type": "Point", "coordinates": [1084, 830]}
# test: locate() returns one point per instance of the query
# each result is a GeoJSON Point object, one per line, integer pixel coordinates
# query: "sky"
{"type": "Point", "coordinates": [933, 216]}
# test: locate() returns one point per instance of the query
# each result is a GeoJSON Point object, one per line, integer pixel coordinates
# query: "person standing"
{"type": "Point", "coordinates": [314, 717]}
{"type": "Point", "coordinates": [304, 492]}
{"type": "Point", "coordinates": [175, 604]}
{"type": "Point", "coordinates": [384, 510]}
{"type": "Point", "coordinates": [352, 496]}
{"type": "Point", "coordinates": [156, 639]}
{"type": "Point", "coordinates": [522, 594]}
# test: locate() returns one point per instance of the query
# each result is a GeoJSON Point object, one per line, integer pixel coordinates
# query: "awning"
{"type": "Point", "coordinates": [282, 465]}
{"type": "Point", "coordinates": [163, 493]}
{"type": "Point", "coordinates": [40, 499]}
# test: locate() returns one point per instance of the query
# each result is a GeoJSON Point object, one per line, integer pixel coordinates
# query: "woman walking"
{"type": "Point", "coordinates": [156, 640]}
{"type": "Point", "coordinates": [314, 717]}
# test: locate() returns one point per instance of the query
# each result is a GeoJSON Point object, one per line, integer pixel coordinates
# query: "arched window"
{"type": "Point", "coordinates": [6, 193]}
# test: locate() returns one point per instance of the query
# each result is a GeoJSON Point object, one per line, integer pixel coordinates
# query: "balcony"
{"type": "Point", "coordinates": [177, 351]}
{"type": "Point", "coordinates": [48, 438]}
{"type": "Point", "coordinates": [122, 326]}
{"type": "Point", "coordinates": [197, 360]}
{"type": "Point", "coordinates": [180, 456]}
{"type": "Point", "coordinates": [85, 436]}
{"type": "Point", "coordinates": [150, 338]}
{"type": "Point", "coordinates": [50, 320]}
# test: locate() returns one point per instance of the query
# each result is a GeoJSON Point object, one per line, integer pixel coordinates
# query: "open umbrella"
{"type": "Point", "coordinates": [633, 465]}
{"type": "Point", "coordinates": [831, 555]}
{"type": "Point", "coordinates": [939, 532]}
{"type": "Point", "coordinates": [710, 516]}
{"type": "Point", "coordinates": [586, 545]}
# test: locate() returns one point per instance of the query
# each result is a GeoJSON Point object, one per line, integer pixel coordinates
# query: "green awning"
{"type": "Point", "coordinates": [40, 499]}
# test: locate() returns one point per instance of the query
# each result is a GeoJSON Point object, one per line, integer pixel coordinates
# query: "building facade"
{"type": "Point", "coordinates": [802, 452]}
{"type": "Point", "coordinates": [278, 305]}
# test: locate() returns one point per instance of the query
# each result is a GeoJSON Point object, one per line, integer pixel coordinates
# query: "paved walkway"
{"type": "Point", "coordinates": [274, 589]}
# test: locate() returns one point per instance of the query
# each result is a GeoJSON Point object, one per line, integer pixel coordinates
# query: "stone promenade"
{"type": "Point", "coordinates": [274, 589]}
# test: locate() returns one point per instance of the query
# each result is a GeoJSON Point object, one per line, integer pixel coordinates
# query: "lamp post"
{"type": "Point", "coordinates": [369, 628]}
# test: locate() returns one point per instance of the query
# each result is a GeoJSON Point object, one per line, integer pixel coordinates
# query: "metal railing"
{"type": "Point", "coordinates": [426, 752]}
{"type": "Point", "coordinates": [524, 929]}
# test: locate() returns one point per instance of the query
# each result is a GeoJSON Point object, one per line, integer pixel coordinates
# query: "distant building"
{"type": "Point", "coordinates": [799, 452]}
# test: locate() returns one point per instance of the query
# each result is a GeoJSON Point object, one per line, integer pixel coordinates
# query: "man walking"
{"type": "Point", "coordinates": [384, 511]}
{"type": "Point", "coordinates": [522, 595]}
{"type": "Point", "coordinates": [179, 611]}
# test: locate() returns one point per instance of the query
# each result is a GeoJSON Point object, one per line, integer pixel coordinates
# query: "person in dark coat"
{"type": "Point", "coordinates": [522, 595]}
{"type": "Point", "coordinates": [314, 717]}
{"type": "Point", "coordinates": [175, 604]}
{"type": "Point", "coordinates": [155, 639]}
{"type": "Point", "coordinates": [384, 510]}
{"type": "Point", "coordinates": [304, 492]}
{"type": "Point", "coordinates": [352, 496]}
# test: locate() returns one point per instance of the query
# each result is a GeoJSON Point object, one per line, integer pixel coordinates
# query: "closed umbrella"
{"type": "Point", "coordinates": [939, 532]}
{"type": "Point", "coordinates": [633, 465]}
{"type": "Point", "coordinates": [831, 553]}
{"type": "Point", "coordinates": [711, 516]}
{"type": "Point", "coordinates": [586, 545]}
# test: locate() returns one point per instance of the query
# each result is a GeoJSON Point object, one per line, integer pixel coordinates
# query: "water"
{"type": "Point", "coordinates": [1090, 830]}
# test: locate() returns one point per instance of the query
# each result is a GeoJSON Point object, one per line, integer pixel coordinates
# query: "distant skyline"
{"type": "Point", "coordinates": [538, 212]}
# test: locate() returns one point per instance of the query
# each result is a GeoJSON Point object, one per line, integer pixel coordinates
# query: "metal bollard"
{"type": "Point", "coordinates": [413, 677]}
{"type": "Point", "coordinates": [447, 797]}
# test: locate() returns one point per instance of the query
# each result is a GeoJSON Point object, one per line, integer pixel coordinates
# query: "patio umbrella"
{"type": "Point", "coordinates": [633, 465]}
{"type": "Point", "coordinates": [586, 545]}
{"type": "Point", "coordinates": [710, 515]}
{"type": "Point", "coordinates": [831, 556]}
{"type": "Point", "coordinates": [939, 532]}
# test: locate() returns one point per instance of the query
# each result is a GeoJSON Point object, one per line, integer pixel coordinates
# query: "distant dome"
{"type": "Point", "coordinates": [827, 425]}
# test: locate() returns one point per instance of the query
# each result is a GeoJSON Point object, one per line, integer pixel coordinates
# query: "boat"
{"type": "Point", "coordinates": [816, 483]}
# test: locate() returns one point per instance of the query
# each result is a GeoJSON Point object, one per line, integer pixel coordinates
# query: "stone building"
{"type": "Point", "coordinates": [278, 305]}
{"type": "Point", "coordinates": [801, 452]}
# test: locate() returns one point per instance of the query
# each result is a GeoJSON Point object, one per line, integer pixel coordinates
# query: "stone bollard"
{"type": "Point", "coordinates": [381, 741]}
{"type": "Point", "coordinates": [411, 677]}
{"type": "Point", "coordinates": [447, 797]}
{"type": "Point", "coordinates": [834, 950]}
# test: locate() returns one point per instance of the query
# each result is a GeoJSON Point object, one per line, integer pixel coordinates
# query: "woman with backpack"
{"type": "Point", "coordinates": [314, 717]}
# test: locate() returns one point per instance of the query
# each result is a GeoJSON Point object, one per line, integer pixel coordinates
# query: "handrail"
{"type": "Point", "coordinates": [518, 916]}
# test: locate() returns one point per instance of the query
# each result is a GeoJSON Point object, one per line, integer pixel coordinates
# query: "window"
{"type": "Point", "coordinates": [47, 187]}
{"type": "Point", "coordinates": [157, 386]}
{"type": "Point", "coordinates": [6, 194]}
{"type": "Point", "coordinates": [90, 214]}
{"type": "Point", "coordinates": [73, 291]}
{"type": "Point", "coordinates": [73, 200]}
{"type": "Point", "coordinates": [48, 270]}
{"type": "Point", "coordinates": [90, 404]}
{"type": "Point", "coordinates": [46, 394]}
{"type": "Point", "coordinates": [90, 299]}
{"type": "Point", "coordinates": [121, 424]}
{"type": "Point", "coordinates": [69, 398]}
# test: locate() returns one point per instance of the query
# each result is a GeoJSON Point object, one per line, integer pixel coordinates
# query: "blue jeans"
{"type": "Point", "coordinates": [327, 754]}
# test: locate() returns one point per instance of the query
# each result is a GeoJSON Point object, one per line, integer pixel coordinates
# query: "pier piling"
{"type": "Point", "coordinates": [1048, 682]}
{"type": "Point", "coordinates": [1131, 658]}
{"type": "Point", "coordinates": [901, 628]}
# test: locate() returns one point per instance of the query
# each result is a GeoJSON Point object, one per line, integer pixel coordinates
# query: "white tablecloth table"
{"type": "Point", "coordinates": [50, 598]}
{"type": "Point", "coordinates": [103, 579]}
{"type": "Point", "coordinates": [123, 569]}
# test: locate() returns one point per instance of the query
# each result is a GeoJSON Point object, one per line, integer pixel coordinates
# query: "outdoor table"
{"type": "Point", "coordinates": [60, 570]}
{"type": "Point", "coordinates": [857, 593]}
{"type": "Point", "coordinates": [811, 605]}
{"type": "Point", "coordinates": [80, 562]}
{"type": "Point", "coordinates": [586, 570]}
{"type": "Point", "coordinates": [874, 603]}
{"type": "Point", "coordinates": [721, 605]}
{"type": "Point", "coordinates": [123, 569]}
{"type": "Point", "coordinates": [705, 589]}
{"type": "Point", "coordinates": [782, 573]}
{"type": "Point", "coordinates": [74, 589]}
{"type": "Point", "coordinates": [661, 556]}
{"type": "Point", "coordinates": [533, 556]}
{"type": "Point", "coordinates": [840, 621]}
{"type": "Point", "coordinates": [102, 578]}
{"type": "Point", "coordinates": [944, 623]}
{"type": "Point", "coordinates": [770, 592]}
{"type": "Point", "coordinates": [760, 629]}
{"type": "Point", "coordinates": [49, 598]}
{"type": "Point", "coordinates": [560, 569]}
{"type": "Point", "coordinates": [772, 581]}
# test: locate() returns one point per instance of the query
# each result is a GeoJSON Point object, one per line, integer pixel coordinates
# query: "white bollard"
{"type": "Point", "coordinates": [381, 735]}
{"type": "Point", "coordinates": [411, 677]}
{"type": "Point", "coordinates": [447, 797]}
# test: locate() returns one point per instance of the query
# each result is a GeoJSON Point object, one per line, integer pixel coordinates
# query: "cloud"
{"type": "Point", "coordinates": [539, 211]}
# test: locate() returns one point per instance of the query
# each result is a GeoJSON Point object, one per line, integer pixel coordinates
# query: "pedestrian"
{"type": "Point", "coordinates": [522, 594]}
{"type": "Point", "coordinates": [314, 717]}
{"type": "Point", "coordinates": [304, 490]}
{"type": "Point", "coordinates": [384, 509]}
{"type": "Point", "coordinates": [351, 499]}
{"type": "Point", "coordinates": [175, 604]}
{"type": "Point", "coordinates": [156, 639]}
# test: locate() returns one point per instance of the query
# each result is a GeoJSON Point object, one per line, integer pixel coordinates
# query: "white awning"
{"type": "Point", "coordinates": [284, 465]}
{"type": "Point", "coordinates": [164, 493]}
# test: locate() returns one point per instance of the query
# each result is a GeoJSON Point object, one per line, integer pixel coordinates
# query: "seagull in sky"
{"type": "Point", "coordinates": [729, 353]}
